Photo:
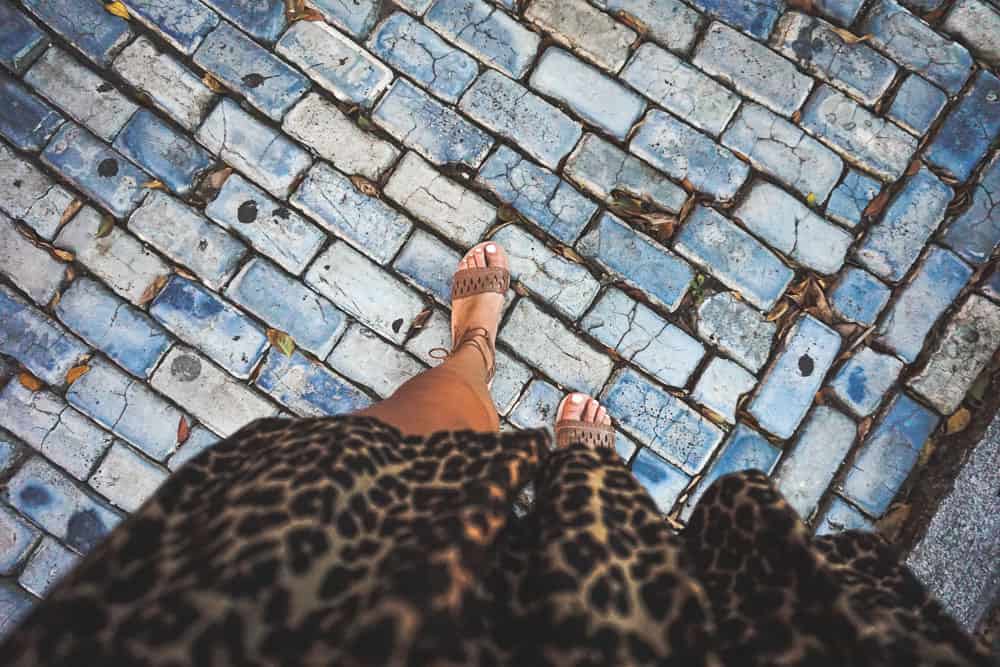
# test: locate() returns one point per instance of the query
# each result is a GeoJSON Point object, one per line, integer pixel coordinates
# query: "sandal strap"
{"type": "Point", "coordinates": [592, 435]}
{"type": "Point", "coordinates": [479, 338]}
{"type": "Point", "coordinates": [469, 282]}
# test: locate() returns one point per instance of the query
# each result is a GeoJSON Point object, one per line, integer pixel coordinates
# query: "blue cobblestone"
{"type": "Point", "coordinates": [886, 457]}
{"type": "Point", "coordinates": [21, 41]}
{"type": "Point", "coordinates": [18, 537]}
{"type": "Point", "coordinates": [204, 320]}
{"type": "Point", "coordinates": [15, 604]}
{"type": "Point", "coordinates": [669, 22]}
{"type": "Point", "coordinates": [512, 111]}
{"type": "Point", "coordinates": [808, 469]}
{"type": "Point", "coordinates": [969, 129]}
{"type": "Point", "coordinates": [754, 17]}
{"type": "Point", "coordinates": [841, 516]}
{"type": "Point", "coordinates": [262, 19]}
{"type": "Point", "coordinates": [126, 334]}
{"type": "Point", "coordinates": [508, 383]}
{"type": "Point", "coordinates": [865, 379]}
{"type": "Point", "coordinates": [364, 357]}
{"type": "Point", "coordinates": [417, 51]}
{"type": "Point", "coordinates": [166, 154]}
{"type": "Point", "coordinates": [975, 232]}
{"type": "Point", "coordinates": [433, 130]}
{"type": "Point", "coordinates": [181, 23]}
{"type": "Point", "coordinates": [539, 195]}
{"type": "Point", "coordinates": [639, 260]}
{"type": "Point", "coordinates": [428, 263]}
{"type": "Point", "coordinates": [199, 439]}
{"type": "Point", "coordinates": [537, 407]}
{"type": "Point", "coordinates": [721, 386]}
{"type": "Point", "coordinates": [859, 296]}
{"type": "Point", "coordinates": [93, 31]}
{"type": "Point", "coordinates": [308, 388]}
{"type": "Point", "coordinates": [25, 119]}
{"type": "Point", "coordinates": [839, 11]}
{"type": "Point", "coordinates": [486, 32]}
{"type": "Point", "coordinates": [850, 199]}
{"type": "Point", "coordinates": [356, 18]}
{"type": "Point", "coordinates": [917, 104]}
{"type": "Point", "coordinates": [787, 391]}
{"type": "Point", "coordinates": [37, 273]}
{"type": "Point", "coordinates": [936, 283]}
{"type": "Point", "coordinates": [10, 452]}
{"type": "Point", "coordinates": [43, 346]}
{"type": "Point", "coordinates": [28, 194]}
{"type": "Point", "coordinates": [686, 154]}
{"type": "Point", "coordinates": [50, 563]}
{"type": "Point", "coordinates": [663, 481]}
{"type": "Point", "coordinates": [734, 257]}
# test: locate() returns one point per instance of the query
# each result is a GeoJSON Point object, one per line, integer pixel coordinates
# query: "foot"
{"type": "Point", "coordinates": [479, 312]}
{"type": "Point", "coordinates": [581, 418]}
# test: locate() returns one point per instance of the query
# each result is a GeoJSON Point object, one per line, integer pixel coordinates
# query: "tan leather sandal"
{"type": "Point", "coordinates": [590, 434]}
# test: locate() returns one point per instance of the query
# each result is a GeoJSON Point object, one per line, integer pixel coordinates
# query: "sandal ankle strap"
{"type": "Point", "coordinates": [479, 338]}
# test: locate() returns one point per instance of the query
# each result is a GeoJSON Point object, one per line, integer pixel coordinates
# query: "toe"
{"type": "Point", "coordinates": [602, 415]}
{"type": "Point", "coordinates": [479, 257]}
{"type": "Point", "coordinates": [572, 407]}
{"type": "Point", "coordinates": [495, 255]}
{"type": "Point", "coordinates": [590, 414]}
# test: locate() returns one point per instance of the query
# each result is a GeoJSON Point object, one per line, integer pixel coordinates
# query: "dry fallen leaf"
{"type": "Point", "coordinates": [570, 254]}
{"type": "Point", "coordinates": [849, 37]}
{"type": "Point", "coordinates": [664, 224]}
{"type": "Point", "coordinates": [364, 186]}
{"type": "Point", "coordinates": [507, 213]}
{"type": "Point", "coordinates": [64, 255]}
{"type": "Point", "coordinates": [282, 341]}
{"type": "Point", "coordinates": [633, 22]}
{"type": "Point", "coordinates": [152, 290]}
{"type": "Point", "coordinates": [76, 373]}
{"type": "Point", "coordinates": [181, 271]}
{"type": "Point", "coordinates": [154, 185]}
{"type": "Point", "coordinates": [183, 431]}
{"type": "Point", "coordinates": [863, 427]}
{"type": "Point", "coordinates": [118, 9]}
{"type": "Point", "coordinates": [296, 10]}
{"type": "Point", "coordinates": [420, 321]}
{"type": "Point", "coordinates": [107, 224]}
{"type": "Point", "coordinates": [217, 178]}
{"type": "Point", "coordinates": [876, 205]}
{"type": "Point", "coordinates": [959, 421]}
{"type": "Point", "coordinates": [29, 381]}
{"type": "Point", "coordinates": [70, 211]}
{"type": "Point", "coordinates": [796, 116]}
{"type": "Point", "coordinates": [913, 168]}
{"type": "Point", "coordinates": [778, 311]}
{"type": "Point", "coordinates": [212, 83]}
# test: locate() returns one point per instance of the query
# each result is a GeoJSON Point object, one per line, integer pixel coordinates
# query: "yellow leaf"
{"type": "Point", "coordinates": [64, 255]}
{"type": "Point", "coordinates": [118, 9]}
{"type": "Point", "coordinates": [29, 381]}
{"type": "Point", "coordinates": [154, 185]}
{"type": "Point", "coordinates": [212, 83]}
{"type": "Point", "coordinates": [76, 373]}
{"type": "Point", "coordinates": [959, 421]}
{"type": "Point", "coordinates": [811, 198]}
{"type": "Point", "coordinates": [107, 224]}
{"type": "Point", "coordinates": [282, 341]}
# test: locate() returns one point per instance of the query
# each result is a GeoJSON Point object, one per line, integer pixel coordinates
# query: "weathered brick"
{"type": "Point", "coordinates": [262, 19]}
{"type": "Point", "coordinates": [754, 17]}
{"type": "Point", "coordinates": [865, 379]}
{"type": "Point", "coordinates": [415, 50]}
{"type": "Point", "coordinates": [842, 12]}
{"type": "Point", "coordinates": [787, 390]}
{"type": "Point", "coordinates": [415, 7]}
{"type": "Point", "coordinates": [509, 381]}
{"type": "Point", "coordinates": [969, 129]}
{"type": "Point", "coordinates": [936, 283]}
{"type": "Point", "coordinates": [91, 30]}
{"type": "Point", "coordinates": [539, 195]}
{"type": "Point", "coordinates": [975, 232]}
{"type": "Point", "coordinates": [487, 33]}
{"type": "Point", "coordinates": [356, 18]}
{"type": "Point", "coordinates": [126, 479]}
{"type": "Point", "coordinates": [734, 257]}
{"type": "Point", "coordinates": [917, 104]}
{"type": "Point", "coordinates": [435, 131]}
{"type": "Point", "coordinates": [841, 516]}
{"type": "Point", "coordinates": [669, 22]}
{"type": "Point", "coordinates": [577, 25]}
{"type": "Point", "coordinates": [42, 345]}
{"type": "Point", "coordinates": [512, 111]}
{"type": "Point", "coordinates": [851, 197]}
{"type": "Point", "coordinates": [335, 62]}
{"type": "Point", "coordinates": [721, 385]}
{"type": "Point", "coordinates": [28, 194]}
{"type": "Point", "coordinates": [538, 405]}
{"type": "Point", "coordinates": [737, 329]}
{"type": "Point", "coordinates": [365, 358]}
{"type": "Point", "coordinates": [260, 152]}
{"type": "Point", "coordinates": [17, 537]}
{"type": "Point", "coordinates": [859, 296]}
{"type": "Point", "coordinates": [171, 157]}
{"type": "Point", "coordinates": [10, 451]}
{"type": "Point", "coordinates": [429, 264]}
{"type": "Point", "coordinates": [49, 564]}
{"type": "Point", "coordinates": [32, 269]}
{"type": "Point", "coordinates": [976, 24]}
{"type": "Point", "coordinates": [688, 155]}
{"type": "Point", "coordinates": [25, 119]}
{"type": "Point", "coordinates": [181, 23]}
{"type": "Point", "coordinates": [308, 388]}
{"type": "Point", "coordinates": [590, 94]}
{"type": "Point", "coordinates": [21, 41]}
{"type": "Point", "coordinates": [968, 344]}
{"type": "Point", "coordinates": [663, 481]}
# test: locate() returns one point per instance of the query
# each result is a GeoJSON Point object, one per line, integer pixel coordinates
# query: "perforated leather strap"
{"type": "Point", "coordinates": [591, 435]}
{"type": "Point", "coordinates": [469, 282]}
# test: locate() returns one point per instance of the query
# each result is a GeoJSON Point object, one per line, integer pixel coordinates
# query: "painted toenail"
{"type": "Point", "coordinates": [491, 248]}
{"type": "Point", "coordinates": [577, 398]}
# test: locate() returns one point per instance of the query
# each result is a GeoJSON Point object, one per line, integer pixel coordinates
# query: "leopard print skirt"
{"type": "Point", "coordinates": [339, 542]}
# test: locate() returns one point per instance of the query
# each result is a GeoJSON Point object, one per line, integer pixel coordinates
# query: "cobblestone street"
{"type": "Point", "coordinates": [763, 232]}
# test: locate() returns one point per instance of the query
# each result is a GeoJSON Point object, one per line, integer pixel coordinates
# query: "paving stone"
{"type": "Point", "coordinates": [744, 449]}
{"type": "Point", "coordinates": [538, 406]}
{"type": "Point", "coordinates": [435, 131]}
{"type": "Point", "coordinates": [96, 169]}
{"type": "Point", "coordinates": [270, 227]}
{"type": "Point", "coordinates": [335, 62]}
{"type": "Point", "coordinates": [199, 439]}
{"type": "Point", "coordinates": [82, 94]}
{"type": "Point", "coordinates": [458, 213]}
{"type": "Point", "coordinates": [314, 323]}
{"type": "Point", "coordinates": [25, 119]}
{"type": "Point", "coordinates": [361, 288]}
{"type": "Point", "coordinates": [851, 197]}
{"type": "Point", "coordinates": [126, 334]}
{"type": "Point", "coordinates": [415, 7]}
{"type": "Point", "coordinates": [17, 537]}
{"type": "Point", "coordinates": [436, 332]}
{"type": "Point", "coordinates": [487, 33]}
{"type": "Point", "coordinates": [625, 446]}
{"type": "Point", "coordinates": [356, 18]}
{"type": "Point", "coordinates": [49, 564]}
{"type": "Point", "coordinates": [968, 344]}
{"type": "Point", "coordinates": [10, 452]}
{"type": "Point", "coordinates": [807, 470]}
{"type": "Point", "coordinates": [171, 157]}
{"type": "Point", "coordinates": [262, 19]}
{"type": "Point", "coordinates": [415, 50]}
{"type": "Point", "coordinates": [886, 457]}
{"type": "Point", "coordinates": [917, 104]}
{"type": "Point", "coordinates": [42, 345]}
{"type": "Point", "coordinates": [975, 232]}
{"type": "Point", "coordinates": [787, 390]}
{"type": "Point", "coordinates": [546, 343]}
{"type": "Point", "coordinates": [28, 194]}
{"type": "Point", "coordinates": [914, 44]}
{"type": "Point", "coordinates": [969, 129]}
{"type": "Point", "coordinates": [601, 168]}
{"type": "Point", "coordinates": [721, 385]}
{"type": "Point", "coordinates": [564, 285]}
{"type": "Point", "coordinates": [204, 320]}
{"type": "Point", "coordinates": [536, 193]}
{"type": "Point", "coordinates": [32, 269]}
{"type": "Point", "coordinates": [429, 264]}
{"type": "Point", "coordinates": [842, 12]}
{"type": "Point", "coordinates": [754, 17]}
{"type": "Point", "coordinates": [181, 23]}
{"type": "Point", "coordinates": [590, 94]}
{"type": "Point", "coordinates": [579, 26]}
{"type": "Point", "coordinates": [15, 604]}
{"type": "Point", "coordinates": [778, 148]}
{"type": "Point", "coordinates": [865, 379]}
{"type": "Point", "coordinates": [977, 24]}
{"type": "Point", "coordinates": [510, 110]}
{"type": "Point", "coordinates": [688, 155]}
{"type": "Point", "coordinates": [365, 358]}
{"type": "Point", "coordinates": [208, 393]}
{"type": "Point", "coordinates": [644, 338]}
{"type": "Point", "coordinates": [861, 138]}
{"type": "Point", "coordinates": [508, 383]}
{"type": "Point", "coordinates": [209, 251]}
{"type": "Point", "coordinates": [61, 434]}
{"type": "Point", "coordinates": [663, 481]}
{"type": "Point", "coordinates": [259, 151]}
{"type": "Point", "coordinates": [126, 479]}
{"type": "Point", "coordinates": [893, 244]}
{"type": "Point", "coordinates": [21, 41]}
{"type": "Point", "coordinates": [669, 22]}
{"type": "Point", "coordinates": [308, 388]}
{"type": "Point", "coordinates": [169, 85]}
{"type": "Point", "coordinates": [367, 223]}
{"type": "Point", "coordinates": [788, 225]}
{"type": "Point", "coordinates": [118, 259]}
{"type": "Point", "coordinates": [854, 67]}
{"type": "Point", "coordinates": [737, 329]}
{"type": "Point", "coordinates": [734, 257]}
{"type": "Point", "coordinates": [936, 283]}
{"type": "Point", "coordinates": [859, 296]}
{"type": "Point", "coordinates": [661, 421]}
{"type": "Point", "coordinates": [752, 69]}
{"type": "Point", "coordinates": [91, 30]}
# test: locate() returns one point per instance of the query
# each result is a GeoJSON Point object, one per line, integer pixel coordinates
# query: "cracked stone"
{"type": "Point", "coordinates": [579, 26]}
{"type": "Point", "coordinates": [859, 296]}
{"type": "Point", "coordinates": [173, 158]}
{"type": "Point", "coordinates": [21, 40]}
{"type": "Point", "coordinates": [49, 563]}
{"type": "Point", "coordinates": [737, 329]}
{"type": "Point", "coordinates": [754, 17]}
{"type": "Point", "coordinates": [977, 24]}
{"type": "Point", "coordinates": [126, 479]}
{"type": "Point", "coordinates": [975, 233]}
{"type": "Point", "coordinates": [28, 194]}
{"type": "Point", "coordinates": [367, 359]}
{"type": "Point", "coordinates": [917, 104]}
{"type": "Point", "coordinates": [669, 22]}
{"type": "Point", "coordinates": [429, 264]}
{"type": "Point", "coordinates": [850, 199]}
{"type": "Point", "coordinates": [840, 516]}
{"type": "Point", "coordinates": [32, 269]}
{"type": "Point", "coordinates": [969, 129]}
{"type": "Point", "coordinates": [264, 20]}
{"type": "Point", "coordinates": [812, 462]}
{"type": "Point", "coordinates": [91, 30]}
{"type": "Point", "coordinates": [486, 32]}
{"type": "Point", "coordinates": [38, 342]}
{"type": "Point", "coordinates": [867, 376]}
{"type": "Point", "coordinates": [182, 24]}
{"type": "Point", "coordinates": [308, 388]}
{"type": "Point", "coordinates": [356, 17]}
{"type": "Point", "coordinates": [720, 387]}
